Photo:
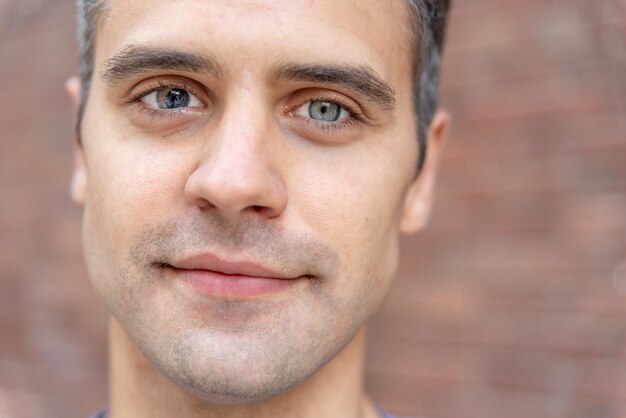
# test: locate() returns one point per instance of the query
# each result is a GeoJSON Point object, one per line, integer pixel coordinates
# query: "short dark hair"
{"type": "Point", "coordinates": [428, 24]}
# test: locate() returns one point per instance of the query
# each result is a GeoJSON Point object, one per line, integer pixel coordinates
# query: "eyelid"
{"type": "Point", "coordinates": [159, 83]}
{"type": "Point", "coordinates": [305, 111]}
{"type": "Point", "coordinates": [152, 99]}
{"type": "Point", "coordinates": [354, 110]}
{"type": "Point", "coordinates": [337, 132]}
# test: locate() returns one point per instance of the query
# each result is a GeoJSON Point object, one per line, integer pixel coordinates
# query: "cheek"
{"type": "Point", "coordinates": [131, 186]}
{"type": "Point", "coordinates": [354, 204]}
{"type": "Point", "coordinates": [132, 177]}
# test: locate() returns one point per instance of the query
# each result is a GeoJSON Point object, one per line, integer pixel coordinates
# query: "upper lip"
{"type": "Point", "coordinates": [240, 267]}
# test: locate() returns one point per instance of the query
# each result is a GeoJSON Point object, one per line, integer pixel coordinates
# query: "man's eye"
{"type": "Point", "coordinates": [323, 111]}
{"type": "Point", "coordinates": [170, 98]}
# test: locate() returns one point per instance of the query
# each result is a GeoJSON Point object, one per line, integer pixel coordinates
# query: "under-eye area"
{"type": "Point", "coordinates": [164, 105]}
{"type": "Point", "coordinates": [324, 115]}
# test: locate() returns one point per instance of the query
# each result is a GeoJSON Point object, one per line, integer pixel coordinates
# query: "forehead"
{"type": "Point", "coordinates": [253, 32]}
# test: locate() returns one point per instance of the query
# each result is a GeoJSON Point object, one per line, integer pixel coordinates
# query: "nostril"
{"type": "Point", "coordinates": [202, 203]}
{"type": "Point", "coordinates": [263, 210]}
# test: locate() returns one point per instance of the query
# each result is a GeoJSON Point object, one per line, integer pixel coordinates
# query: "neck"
{"type": "Point", "coordinates": [139, 390]}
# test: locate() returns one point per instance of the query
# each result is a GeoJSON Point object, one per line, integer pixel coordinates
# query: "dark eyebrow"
{"type": "Point", "coordinates": [135, 59]}
{"type": "Point", "coordinates": [362, 79]}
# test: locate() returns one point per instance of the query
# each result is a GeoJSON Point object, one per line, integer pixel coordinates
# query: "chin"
{"type": "Point", "coordinates": [235, 371]}
{"type": "Point", "coordinates": [235, 386]}
{"type": "Point", "coordinates": [237, 393]}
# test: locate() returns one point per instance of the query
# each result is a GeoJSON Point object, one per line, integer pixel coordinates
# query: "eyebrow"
{"type": "Point", "coordinates": [362, 79]}
{"type": "Point", "coordinates": [137, 59]}
{"type": "Point", "coordinates": [134, 59]}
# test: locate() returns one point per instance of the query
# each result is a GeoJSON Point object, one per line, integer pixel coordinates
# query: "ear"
{"type": "Point", "coordinates": [78, 185]}
{"type": "Point", "coordinates": [419, 198]}
{"type": "Point", "coordinates": [72, 88]}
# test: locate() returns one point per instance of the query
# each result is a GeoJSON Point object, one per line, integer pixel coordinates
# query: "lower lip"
{"type": "Point", "coordinates": [233, 286]}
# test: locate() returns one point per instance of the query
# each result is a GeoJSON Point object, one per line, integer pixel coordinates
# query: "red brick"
{"type": "Point", "coordinates": [508, 305]}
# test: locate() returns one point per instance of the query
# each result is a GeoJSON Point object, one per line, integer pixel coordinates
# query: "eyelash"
{"type": "Point", "coordinates": [354, 117]}
{"type": "Point", "coordinates": [135, 99]}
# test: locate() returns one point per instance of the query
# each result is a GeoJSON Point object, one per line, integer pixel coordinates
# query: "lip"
{"type": "Point", "coordinates": [219, 277]}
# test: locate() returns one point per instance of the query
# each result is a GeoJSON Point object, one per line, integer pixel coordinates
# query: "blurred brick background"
{"type": "Point", "coordinates": [512, 304]}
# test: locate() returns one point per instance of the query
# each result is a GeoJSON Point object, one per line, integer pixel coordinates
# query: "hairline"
{"type": "Point", "coordinates": [426, 51]}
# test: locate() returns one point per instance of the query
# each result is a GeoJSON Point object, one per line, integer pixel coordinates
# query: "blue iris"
{"type": "Point", "coordinates": [173, 98]}
{"type": "Point", "coordinates": [324, 111]}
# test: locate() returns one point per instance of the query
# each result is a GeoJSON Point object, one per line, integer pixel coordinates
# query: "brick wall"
{"type": "Point", "coordinates": [513, 302]}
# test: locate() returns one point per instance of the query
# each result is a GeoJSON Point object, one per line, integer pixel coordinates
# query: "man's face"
{"type": "Point", "coordinates": [243, 196]}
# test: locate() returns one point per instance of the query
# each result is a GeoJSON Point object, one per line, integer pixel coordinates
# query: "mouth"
{"type": "Point", "coordinates": [228, 278]}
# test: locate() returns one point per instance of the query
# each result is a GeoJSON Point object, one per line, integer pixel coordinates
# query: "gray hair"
{"type": "Point", "coordinates": [430, 17]}
{"type": "Point", "coordinates": [89, 14]}
{"type": "Point", "coordinates": [428, 24]}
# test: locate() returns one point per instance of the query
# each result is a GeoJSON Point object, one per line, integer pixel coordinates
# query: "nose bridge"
{"type": "Point", "coordinates": [236, 173]}
{"type": "Point", "coordinates": [239, 142]}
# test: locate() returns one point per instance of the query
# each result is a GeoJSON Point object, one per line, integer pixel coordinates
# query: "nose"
{"type": "Point", "coordinates": [238, 173]}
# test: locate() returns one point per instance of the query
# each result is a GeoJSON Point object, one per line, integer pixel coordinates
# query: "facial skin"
{"type": "Point", "coordinates": [244, 173]}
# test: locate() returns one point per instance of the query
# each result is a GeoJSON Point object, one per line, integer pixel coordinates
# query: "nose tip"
{"type": "Point", "coordinates": [235, 189]}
